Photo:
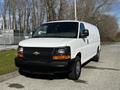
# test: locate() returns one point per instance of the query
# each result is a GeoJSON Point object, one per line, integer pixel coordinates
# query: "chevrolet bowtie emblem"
{"type": "Point", "coordinates": [36, 53]}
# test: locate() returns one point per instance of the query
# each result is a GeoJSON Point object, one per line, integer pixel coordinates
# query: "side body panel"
{"type": "Point", "coordinates": [78, 46]}
{"type": "Point", "coordinates": [93, 40]}
{"type": "Point", "coordinates": [86, 46]}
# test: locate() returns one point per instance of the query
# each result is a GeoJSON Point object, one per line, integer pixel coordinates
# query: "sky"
{"type": "Point", "coordinates": [1, 1]}
{"type": "Point", "coordinates": [116, 11]}
{"type": "Point", "coordinates": [1, 4]}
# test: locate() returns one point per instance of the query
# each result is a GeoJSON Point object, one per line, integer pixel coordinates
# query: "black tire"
{"type": "Point", "coordinates": [76, 69]}
{"type": "Point", "coordinates": [21, 72]}
{"type": "Point", "coordinates": [97, 56]}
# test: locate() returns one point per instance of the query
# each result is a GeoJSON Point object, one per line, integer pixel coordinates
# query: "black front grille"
{"type": "Point", "coordinates": [43, 54]}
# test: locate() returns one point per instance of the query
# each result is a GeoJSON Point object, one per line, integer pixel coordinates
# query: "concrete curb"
{"type": "Point", "coordinates": [8, 76]}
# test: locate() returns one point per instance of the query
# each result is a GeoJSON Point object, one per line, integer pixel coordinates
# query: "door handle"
{"type": "Point", "coordinates": [87, 41]}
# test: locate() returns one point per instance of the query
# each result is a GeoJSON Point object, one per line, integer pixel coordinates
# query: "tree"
{"type": "Point", "coordinates": [5, 7]}
{"type": "Point", "coordinates": [108, 28]}
{"type": "Point", "coordinates": [62, 10]}
{"type": "Point", "coordinates": [117, 37]}
{"type": "Point", "coordinates": [14, 25]}
{"type": "Point", "coordinates": [50, 10]}
{"type": "Point", "coordinates": [26, 15]}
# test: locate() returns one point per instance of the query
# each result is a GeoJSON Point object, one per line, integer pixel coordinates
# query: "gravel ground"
{"type": "Point", "coordinates": [104, 75]}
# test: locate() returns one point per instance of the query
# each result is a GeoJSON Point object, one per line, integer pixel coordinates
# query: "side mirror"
{"type": "Point", "coordinates": [27, 37]}
{"type": "Point", "coordinates": [85, 33]}
{"type": "Point", "coordinates": [31, 34]}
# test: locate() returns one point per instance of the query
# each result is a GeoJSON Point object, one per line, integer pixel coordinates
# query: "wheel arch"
{"type": "Point", "coordinates": [79, 54]}
{"type": "Point", "coordinates": [99, 48]}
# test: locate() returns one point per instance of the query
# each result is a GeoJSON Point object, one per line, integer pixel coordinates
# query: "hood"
{"type": "Point", "coordinates": [45, 42]}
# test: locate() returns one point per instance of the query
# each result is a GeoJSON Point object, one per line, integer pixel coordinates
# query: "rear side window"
{"type": "Point", "coordinates": [82, 27]}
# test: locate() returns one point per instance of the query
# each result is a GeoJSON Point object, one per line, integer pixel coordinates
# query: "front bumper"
{"type": "Point", "coordinates": [44, 67]}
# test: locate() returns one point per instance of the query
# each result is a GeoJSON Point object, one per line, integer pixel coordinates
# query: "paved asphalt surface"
{"type": "Point", "coordinates": [104, 75]}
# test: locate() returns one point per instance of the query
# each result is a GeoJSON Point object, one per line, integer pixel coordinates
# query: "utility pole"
{"type": "Point", "coordinates": [75, 7]}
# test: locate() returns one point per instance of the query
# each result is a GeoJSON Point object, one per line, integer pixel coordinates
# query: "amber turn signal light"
{"type": "Point", "coordinates": [20, 55]}
{"type": "Point", "coordinates": [63, 57]}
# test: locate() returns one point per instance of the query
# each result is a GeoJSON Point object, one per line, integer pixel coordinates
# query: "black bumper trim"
{"type": "Point", "coordinates": [42, 67]}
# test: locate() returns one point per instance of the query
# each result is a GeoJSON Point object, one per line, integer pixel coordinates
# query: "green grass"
{"type": "Point", "coordinates": [7, 64]}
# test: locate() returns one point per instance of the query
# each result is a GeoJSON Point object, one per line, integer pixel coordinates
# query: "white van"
{"type": "Point", "coordinates": [59, 47]}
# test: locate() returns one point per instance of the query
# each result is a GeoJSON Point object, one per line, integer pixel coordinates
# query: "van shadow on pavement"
{"type": "Point", "coordinates": [53, 77]}
{"type": "Point", "coordinates": [101, 68]}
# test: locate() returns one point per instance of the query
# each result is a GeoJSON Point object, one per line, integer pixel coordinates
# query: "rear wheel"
{"type": "Point", "coordinates": [76, 69]}
{"type": "Point", "coordinates": [97, 56]}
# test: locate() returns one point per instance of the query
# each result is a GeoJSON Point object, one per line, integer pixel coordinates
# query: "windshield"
{"type": "Point", "coordinates": [58, 29]}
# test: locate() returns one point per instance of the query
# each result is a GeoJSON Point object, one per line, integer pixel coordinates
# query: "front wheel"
{"type": "Point", "coordinates": [76, 69]}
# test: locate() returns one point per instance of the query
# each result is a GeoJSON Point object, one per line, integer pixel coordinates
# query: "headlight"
{"type": "Point", "coordinates": [62, 53]}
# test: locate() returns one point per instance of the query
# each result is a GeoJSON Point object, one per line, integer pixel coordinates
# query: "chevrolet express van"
{"type": "Point", "coordinates": [59, 47]}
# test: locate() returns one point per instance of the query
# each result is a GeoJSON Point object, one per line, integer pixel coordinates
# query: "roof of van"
{"type": "Point", "coordinates": [67, 21]}
{"type": "Point", "coordinates": [63, 21]}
